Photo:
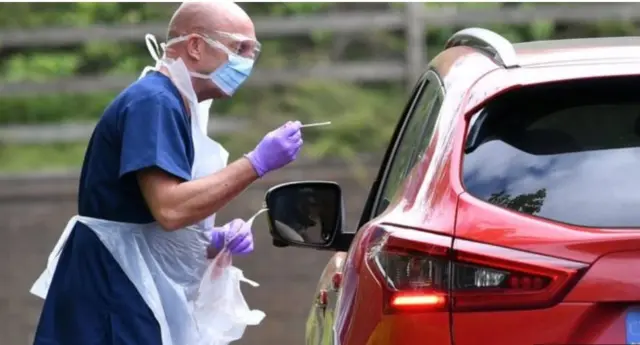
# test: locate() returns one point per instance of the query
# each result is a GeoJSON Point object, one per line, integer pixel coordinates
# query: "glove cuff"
{"type": "Point", "coordinates": [255, 162]}
{"type": "Point", "coordinates": [217, 240]}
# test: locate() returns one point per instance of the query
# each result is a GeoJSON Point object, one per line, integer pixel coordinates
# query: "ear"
{"type": "Point", "coordinates": [194, 47]}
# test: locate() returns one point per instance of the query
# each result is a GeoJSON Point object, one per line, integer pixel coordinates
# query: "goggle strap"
{"type": "Point", "coordinates": [155, 50]}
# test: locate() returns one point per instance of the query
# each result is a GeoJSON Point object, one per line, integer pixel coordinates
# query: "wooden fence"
{"type": "Point", "coordinates": [415, 20]}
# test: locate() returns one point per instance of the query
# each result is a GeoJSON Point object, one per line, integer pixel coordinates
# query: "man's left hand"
{"type": "Point", "coordinates": [237, 236]}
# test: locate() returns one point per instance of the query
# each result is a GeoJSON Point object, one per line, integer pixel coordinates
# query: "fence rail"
{"type": "Point", "coordinates": [338, 22]}
{"type": "Point", "coordinates": [78, 132]}
{"type": "Point", "coordinates": [12, 185]}
{"type": "Point", "coordinates": [351, 71]}
{"type": "Point", "coordinates": [415, 21]}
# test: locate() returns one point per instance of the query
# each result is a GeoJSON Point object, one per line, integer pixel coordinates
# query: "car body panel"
{"type": "Point", "coordinates": [577, 44]}
{"type": "Point", "coordinates": [408, 208]}
{"type": "Point", "coordinates": [430, 191]}
{"type": "Point", "coordinates": [596, 55]}
{"type": "Point", "coordinates": [609, 279]}
{"type": "Point", "coordinates": [566, 323]}
{"type": "Point", "coordinates": [502, 80]}
{"type": "Point", "coordinates": [321, 315]}
{"type": "Point", "coordinates": [432, 198]}
{"type": "Point", "coordinates": [483, 222]}
{"type": "Point", "coordinates": [594, 311]}
{"type": "Point", "coordinates": [374, 327]}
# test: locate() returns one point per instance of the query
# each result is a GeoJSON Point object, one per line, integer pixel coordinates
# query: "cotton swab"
{"type": "Point", "coordinates": [317, 124]}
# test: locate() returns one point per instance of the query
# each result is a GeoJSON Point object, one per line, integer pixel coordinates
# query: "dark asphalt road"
{"type": "Point", "coordinates": [34, 216]}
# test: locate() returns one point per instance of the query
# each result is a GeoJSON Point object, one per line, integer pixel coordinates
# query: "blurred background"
{"type": "Point", "coordinates": [350, 63]}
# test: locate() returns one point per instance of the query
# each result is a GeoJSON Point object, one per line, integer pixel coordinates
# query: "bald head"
{"type": "Point", "coordinates": [200, 23]}
{"type": "Point", "coordinates": [208, 17]}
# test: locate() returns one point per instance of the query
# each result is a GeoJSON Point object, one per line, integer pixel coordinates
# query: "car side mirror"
{"type": "Point", "coordinates": [305, 214]}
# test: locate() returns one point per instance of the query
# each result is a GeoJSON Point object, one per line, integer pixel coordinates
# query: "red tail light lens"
{"type": "Point", "coordinates": [425, 271]}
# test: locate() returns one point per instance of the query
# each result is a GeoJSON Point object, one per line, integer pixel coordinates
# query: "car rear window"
{"type": "Point", "coordinates": [568, 152]}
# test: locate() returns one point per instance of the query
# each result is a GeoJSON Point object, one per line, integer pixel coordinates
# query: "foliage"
{"type": "Point", "coordinates": [530, 203]}
{"type": "Point", "coordinates": [40, 157]}
{"type": "Point", "coordinates": [363, 115]}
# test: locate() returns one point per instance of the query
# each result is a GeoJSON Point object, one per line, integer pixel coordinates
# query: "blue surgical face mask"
{"type": "Point", "coordinates": [231, 74]}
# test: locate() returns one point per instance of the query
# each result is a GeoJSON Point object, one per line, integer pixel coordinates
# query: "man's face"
{"type": "Point", "coordinates": [212, 51]}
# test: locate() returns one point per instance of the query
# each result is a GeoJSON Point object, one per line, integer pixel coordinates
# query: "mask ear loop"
{"type": "Point", "coordinates": [155, 50]}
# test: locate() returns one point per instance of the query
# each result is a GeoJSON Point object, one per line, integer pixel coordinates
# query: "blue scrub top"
{"type": "Point", "coordinates": [91, 301]}
{"type": "Point", "coordinates": [146, 126]}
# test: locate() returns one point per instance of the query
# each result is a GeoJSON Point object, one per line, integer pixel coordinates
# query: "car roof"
{"type": "Point", "coordinates": [504, 54]}
{"type": "Point", "coordinates": [581, 50]}
{"type": "Point", "coordinates": [482, 64]}
{"type": "Point", "coordinates": [577, 43]}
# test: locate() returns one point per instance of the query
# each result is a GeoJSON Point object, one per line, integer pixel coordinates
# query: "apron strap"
{"type": "Point", "coordinates": [41, 285]}
{"type": "Point", "coordinates": [249, 281]}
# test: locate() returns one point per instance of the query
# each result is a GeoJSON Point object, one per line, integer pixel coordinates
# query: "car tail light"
{"type": "Point", "coordinates": [421, 271]}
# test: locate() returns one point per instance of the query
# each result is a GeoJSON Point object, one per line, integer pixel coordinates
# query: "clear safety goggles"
{"type": "Point", "coordinates": [230, 43]}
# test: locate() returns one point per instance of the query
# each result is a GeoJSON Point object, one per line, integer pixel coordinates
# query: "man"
{"type": "Point", "coordinates": [126, 268]}
{"type": "Point", "coordinates": [307, 217]}
{"type": "Point", "coordinates": [302, 222]}
{"type": "Point", "coordinates": [320, 220]}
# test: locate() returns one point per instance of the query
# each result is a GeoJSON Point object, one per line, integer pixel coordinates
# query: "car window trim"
{"type": "Point", "coordinates": [438, 100]}
{"type": "Point", "coordinates": [430, 77]}
{"type": "Point", "coordinates": [375, 192]}
{"type": "Point", "coordinates": [391, 149]}
{"type": "Point", "coordinates": [416, 153]}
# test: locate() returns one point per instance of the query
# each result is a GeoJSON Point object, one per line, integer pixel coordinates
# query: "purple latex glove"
{"type": "Point", "coordinates": [236, 234]}
{"type": "Point", "coordinates": [277, 149]}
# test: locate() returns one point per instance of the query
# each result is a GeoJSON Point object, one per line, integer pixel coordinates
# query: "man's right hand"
{"type": "Point", "coordinates": [277, 149]}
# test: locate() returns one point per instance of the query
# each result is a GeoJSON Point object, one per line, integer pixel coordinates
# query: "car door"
{"type": "Point", "coordinates": [410, 139]}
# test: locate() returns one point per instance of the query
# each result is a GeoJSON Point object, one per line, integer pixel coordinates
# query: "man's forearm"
{"type": "Point", "coordinates": [189, 202]}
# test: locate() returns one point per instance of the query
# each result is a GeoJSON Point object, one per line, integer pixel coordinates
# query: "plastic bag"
{"type": "Point", "coordinates": [220, 311]}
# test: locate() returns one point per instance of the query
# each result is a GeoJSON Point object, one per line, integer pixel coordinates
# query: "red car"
{"type": "Point", "coordinates": [506, 210]}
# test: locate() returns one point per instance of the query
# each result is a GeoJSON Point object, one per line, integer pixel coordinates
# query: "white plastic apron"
{"type": "Point", "coordinates": [165, 267]}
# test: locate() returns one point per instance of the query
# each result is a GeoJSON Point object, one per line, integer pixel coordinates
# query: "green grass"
{"type": "Point", "coordinates": [16, 158]}
{"type": "Point", "coordinates": [37, 158]}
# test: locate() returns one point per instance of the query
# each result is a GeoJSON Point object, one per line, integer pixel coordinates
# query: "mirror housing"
{"type": "Point", "coordinates": [307, 214]}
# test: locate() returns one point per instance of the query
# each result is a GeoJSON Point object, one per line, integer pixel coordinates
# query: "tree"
{"type": "Point", "coordinates": [357, 110]}
{"type": "Point", "coordinates": [530, 203]}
